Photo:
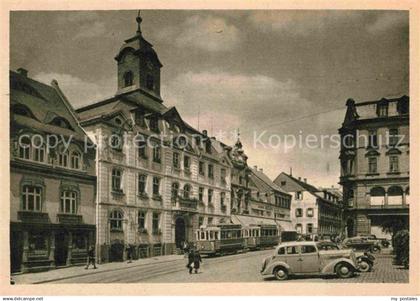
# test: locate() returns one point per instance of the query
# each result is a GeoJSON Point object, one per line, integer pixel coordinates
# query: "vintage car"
{"type": "Point", "coordinates": [365, 260]}
{"type": "Point", "coordinates": [362, 244]}
{"type": "Point", "coordinates": [382, 241]}
{"type": "Point", "coordinates": [304, 257]}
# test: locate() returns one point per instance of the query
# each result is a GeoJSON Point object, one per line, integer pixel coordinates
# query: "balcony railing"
{"type": "Point", "coordinates": [185, 204]}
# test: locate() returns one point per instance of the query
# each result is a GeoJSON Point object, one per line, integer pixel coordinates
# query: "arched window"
{"type": "Point", "coordinates": [174, 190]}
{"type": "Point", "coordinates": [20, 109]}
{"type": "Point", "coordinates": [116, 220]}
{"type": "Point", "coordinates": [128, 79]}
{"type": "Point", "coordinates": [68, 202]}
{"type": "Point", "coordinates": [31, 198]}
{"type": "Point", "coordinates": [75, 160]}
{"type": "Point", "coordinates": [187, 191]}
{"type": "Point", "coordinates": [377, 196]}
{"type": "Point", "coordinates": [63, 158]}
{"type": "Point", "coordinates": [395, 195]}
{"type": "Point", "coordinates": [24, 146]}
{"type": "Point", "coordinates": [61, 122]}
{"type": "Point", "coordinates": [116, 180]}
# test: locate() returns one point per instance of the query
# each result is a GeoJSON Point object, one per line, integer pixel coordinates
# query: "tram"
{"type": "Point", "coordinates": [252, 237]}
{"type": "Point", "coordinates": [219, 239]}
{"type": "Point", "coordinates": [269, 236]}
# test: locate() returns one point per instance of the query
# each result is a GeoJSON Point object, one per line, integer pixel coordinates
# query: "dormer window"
{"type": "Point", "coordinates": [61, 122]}
{"type": "Point", "coordinates": [150, 82]}
{"type": "Point", "coordinates": [382, 109]}
{"type": "Point", "coordinates": [128, 79]}
{"type": "Point", "coordinates": [22, 110]}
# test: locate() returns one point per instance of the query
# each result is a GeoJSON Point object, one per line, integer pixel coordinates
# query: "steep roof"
{"type": "Point", "coordinates": [305, 186]}
{"type": "Point", "coordinates": [263, 182]}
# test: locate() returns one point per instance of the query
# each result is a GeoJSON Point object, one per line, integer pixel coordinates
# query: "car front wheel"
{"type": "Point", "coordinates": [344, 270]}
{"type": "Point", "coordinates": [281, 273]}
{"type": "Point", "coordinates": [364, 266]}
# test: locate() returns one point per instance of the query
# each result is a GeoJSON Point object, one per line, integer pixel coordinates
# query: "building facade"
{"type": "Point", "coordinates": [255, 198]}
{"type": "Point", "coordinates": [159, 179]}
{"type": "Point", "coordinates": [314, 212]}
{"type": "Point", "coordinates": [374, 161]}
{"type": "Point", "coordinates": [52, 179]}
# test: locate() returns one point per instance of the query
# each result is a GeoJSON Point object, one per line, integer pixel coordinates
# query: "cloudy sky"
{"type": "Point", "coordinates": [268, 73]}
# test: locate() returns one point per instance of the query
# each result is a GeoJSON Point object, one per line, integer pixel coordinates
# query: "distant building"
{"type": "Point", "coordinates": [52, 189]}
{"type": "Point", "coordinates": [314, 211]}
{"type": "Point", "coordinates": [155, 193]}
{"type": "Point", "coordinates": [255, 198]}
{"type": "Point", "coordinates": [374, 160]}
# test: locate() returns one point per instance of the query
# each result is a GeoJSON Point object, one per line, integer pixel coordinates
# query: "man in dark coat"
{"type": "Point", "coordinates": [91, 257]}
{"type": "Point", "coordinates": [190, 260]}
{"type": "Point", "coordinates": [197, 260]}
{"type": "Point", "coordinates": [129, 253]}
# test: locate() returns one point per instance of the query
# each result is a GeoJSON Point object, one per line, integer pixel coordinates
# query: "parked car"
{"type": "Point", "coordinates": [382, 241]}
{"type": "Point", "coordinates": [365, 260]}
{"type": "Point", "coordinates": [304, 258]}
{"type": "Point", "coordinates": [358, 243]}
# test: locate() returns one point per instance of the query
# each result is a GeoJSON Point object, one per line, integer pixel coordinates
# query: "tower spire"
{"type": "Point", "coordinates": [139, 20]}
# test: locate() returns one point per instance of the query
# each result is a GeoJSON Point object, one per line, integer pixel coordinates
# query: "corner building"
{"type": "Point", "coordinates": [159, 179]}
{"type": "Point", "coordinates": [374, 160]}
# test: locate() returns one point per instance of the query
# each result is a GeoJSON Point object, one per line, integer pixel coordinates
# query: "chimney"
{"type": "Point", "coordinates": [261, 170]}
{"type": "Point", "coordinates": [290, 173]}
{"type": "Point", "coordinates": [23, 72]}
{"type": "Point", "coordinates": [300, 179]}
{"type": "Point", "coordinates": [205, 132]}
{"type": "Point", "coordinates": [304, 180]}
{"type": "Point", "coordinates": [255, 167]}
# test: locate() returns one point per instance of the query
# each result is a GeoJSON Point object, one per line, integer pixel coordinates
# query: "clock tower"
{"type": "Point", "coordinates": [138, 66]}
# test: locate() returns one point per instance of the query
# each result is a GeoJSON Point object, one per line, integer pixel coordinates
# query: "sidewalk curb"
{"type": "Point", "coordinates": [98, 272]}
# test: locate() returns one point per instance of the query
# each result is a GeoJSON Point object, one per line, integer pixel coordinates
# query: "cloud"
{"type": "Point", "coordinates": [205, 33]}
{"type": "Point", "coordinates": [96, 29]}
{"type": "Point", "coordinates": [388, 20]}
{"type": "Point", "coordinates": [78, 91]}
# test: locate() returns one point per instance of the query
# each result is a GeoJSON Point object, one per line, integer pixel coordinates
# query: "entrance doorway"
{"type": "Point", "coordinates": [350, 227]}
{"type": "Point", "coordinates": [116, 252]}
{"type": "Point", "coordinates": [16, 250]}
{"type": "Point", "coordinates": [61, 249]}
{"type": "Point", "coordinates": [179, 232]}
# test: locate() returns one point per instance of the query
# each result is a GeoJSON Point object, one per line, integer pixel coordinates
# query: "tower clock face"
{"type": "Point", "coordinates": [149, 65]}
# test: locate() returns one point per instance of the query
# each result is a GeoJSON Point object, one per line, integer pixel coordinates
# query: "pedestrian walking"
{"type": "Point", "coordinates": [190, 260]}
{"type": "Point", "coordinates": [197, 261]}
{"type": "Point", "coordinates": [91, 258]}
{"type": "Point", "coordinates": [129, 253]}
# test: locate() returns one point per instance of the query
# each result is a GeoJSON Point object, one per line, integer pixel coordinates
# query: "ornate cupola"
{"type": "Point", "coordinates": [138, 65]}
{"type": "Point", "coordinates": [238, 155]}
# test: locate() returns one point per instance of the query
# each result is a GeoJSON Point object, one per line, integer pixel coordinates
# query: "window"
{"type": "Point", "coordinates": [142, 184]}
{"type": "Point", "coordinates": [310, 212]}
{"type": "Point", "coordinates": [187, 161]}
{"type": "Point", "coordinates": [298, 212]}
{"type": "Point", "coordinates": [155, 223]}
{"type": "Point", "coordinates": [200, 193]}
{"type": "Point", "coordinates": [75, 160]}
{"type": "Point", "coordinates": [222, 199]}
{"type": "Point", "coordinates": [157, 155]}
{"type": "Point", "coordinates": [210, 171]}
{"type": "Point", "coordinates": [175, 160]}
{"type": "Point", "coordinates": [223, 176]}
{"type": "Point", "coordinates": [283, 183]}
{"type": "Point", "coordinates": [201, 168]}
{"type": "Point", "coordinates": [208, 146]}
{"type": "Point", "coordinates": [309, 228]}
{"type": "Point", "coordinates": [68, 202]}
{"type": "Point", "coordinates": [37, 241]}
{"type": "Point", "coordinates": [373, 139]}
{"type": "Point", "coordinates": [382, 110]}
{"type": "Point", "coordinates": [116, 180]}
{"type": "Point", "coordinates": [393, 137]}
{"type": "Point", "coordinates": [61, 122]}
{"type": "Point", "coordinates": [39, 154]}
{"type": "Point", "coordinates": [142, 152]}
{"type": "Point", "coordinates": [156, 182]}
{"type": "Point", "coordinates": [154, 124]}
{"type": "Point", "coordinates": [116, 142]}
{"type": "Point", "coordinates": [31, 198]}
{"type": "Point", "coordinates": [210, 195]}
{"type": "Point", "coordinates": [63, 158]}
{"type": "Point", "coordinates": [115, 220]}
{"type": "Point", "coordinates": [141, 220]}
{"type": "Point", "coordinates": [24, 147]}
{"type": "Point", "coordinates": [187, 191]}
{"type": "Point", "coordinates": [149, 82]}
{"type": "Point", "coordinates": [373, 164]}
{"type": "Point", "coordinates": [174, 191]}
{"type": "Point", "coordinates": [128, 79]}
{"type": "Point", "coordinates": [281, 251]}
{"type": "Point", "coordinates": [299, 228]}
{"type": "Point", "coordinates": [307, 249]}
{"type": "Point", "coordinates": [393, 164]}
{"type": "Point", "coordinates": [298, 195]}
{"type": "Point", "coordinates": [200, 221]}
{"type": "Point", "coordinates": [209, 220]}
{"type": "Point", "coordinates": [292, 250]}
